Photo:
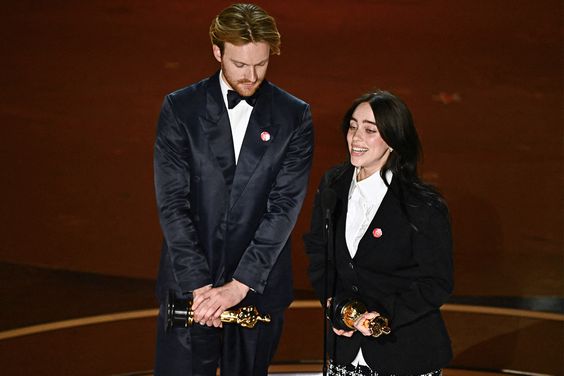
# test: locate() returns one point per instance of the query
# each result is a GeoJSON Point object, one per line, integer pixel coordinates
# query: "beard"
{"type": "Point", "coordinates": [245, 88]}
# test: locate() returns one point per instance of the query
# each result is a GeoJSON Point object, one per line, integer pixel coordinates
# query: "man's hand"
{"type": "Point", "coordinates": [209, 304]}
{"type": "Point", "coordinates": [196, 293]}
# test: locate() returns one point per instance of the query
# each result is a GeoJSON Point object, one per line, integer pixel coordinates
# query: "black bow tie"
{"type": "Point", "coordinates": [233, 99]}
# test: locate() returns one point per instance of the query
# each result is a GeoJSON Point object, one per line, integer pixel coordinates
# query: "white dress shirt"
{"type": "Point", "coordinates": [238, 117]}
{"type": "Point", "coordinates": [365, 197]}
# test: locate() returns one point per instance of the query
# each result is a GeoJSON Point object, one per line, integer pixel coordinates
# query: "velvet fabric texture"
{"type": "Point", "coordinates": [221, 220]}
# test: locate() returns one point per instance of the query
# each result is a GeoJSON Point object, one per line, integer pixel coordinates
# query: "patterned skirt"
{"type": "Point", "coordinates": [350, 370]}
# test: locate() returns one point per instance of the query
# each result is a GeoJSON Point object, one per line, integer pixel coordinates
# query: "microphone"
{"type": "Point", "coordinates": [328, 201]}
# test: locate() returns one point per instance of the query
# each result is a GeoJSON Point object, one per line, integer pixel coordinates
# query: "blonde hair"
{"type": "Point", "coordinates": [244, 23]}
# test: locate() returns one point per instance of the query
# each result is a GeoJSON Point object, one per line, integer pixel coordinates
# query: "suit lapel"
{"type": "Point", "coordinates": [342, 187]}
{"type": "Point", "coordinates": [217, 129]}
{"type": "Point", "coordinates": [260, 134]}
{"type": "Point", "coordinates": [381, 219]}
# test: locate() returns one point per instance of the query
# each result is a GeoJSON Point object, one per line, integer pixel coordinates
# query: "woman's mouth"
{"type": "Point", "coordinates": [358, 150]}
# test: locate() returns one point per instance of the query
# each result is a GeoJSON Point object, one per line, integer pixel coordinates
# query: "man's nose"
{"type": "Point", "coordinates": [252, 73]}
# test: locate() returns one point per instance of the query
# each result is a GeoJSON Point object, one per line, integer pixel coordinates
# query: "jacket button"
{"type": "Point", "coordinates": [354, 288]}
{"type": "Point", "coordinates": [351, 265]}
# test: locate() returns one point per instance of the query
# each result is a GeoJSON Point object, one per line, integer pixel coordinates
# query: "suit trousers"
{"type": "Point", "coordinates": [200, 350]}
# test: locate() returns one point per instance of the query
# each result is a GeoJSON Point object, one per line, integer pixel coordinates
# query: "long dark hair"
{"type": "Point", "coordinates": [396, 127]}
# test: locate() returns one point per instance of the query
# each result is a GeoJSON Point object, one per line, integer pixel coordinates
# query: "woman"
{"type": "Point", "coordinates": [392, 246]}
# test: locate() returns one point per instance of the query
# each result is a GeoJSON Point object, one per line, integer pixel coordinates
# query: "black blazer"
{"type": "Point", "coordinates": [220, 220]}
{"type": "Point", "coordinates": [405, 275]}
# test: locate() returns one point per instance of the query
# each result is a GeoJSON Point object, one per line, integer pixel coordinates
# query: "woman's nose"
{"type": "Point", "coordinates": [356, 135]}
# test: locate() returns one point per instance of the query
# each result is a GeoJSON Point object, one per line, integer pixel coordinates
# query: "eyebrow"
{"type": "Point", "coordinates": [364, 121]}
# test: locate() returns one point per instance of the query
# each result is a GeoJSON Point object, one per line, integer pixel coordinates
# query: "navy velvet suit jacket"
{"type": "Point", "coordinates": [405, 275]}
{"type": "Point", "coordinates": [220, 220]}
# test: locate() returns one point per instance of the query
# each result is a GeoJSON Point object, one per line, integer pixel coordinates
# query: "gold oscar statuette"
{"type": "Point", "coordinates": [180, 314]}
{"type": "Point", "coordinates": [350, 310]}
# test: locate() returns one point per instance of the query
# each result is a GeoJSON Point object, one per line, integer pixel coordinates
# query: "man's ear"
{"type": "Point", "coordinates": [216, 52]}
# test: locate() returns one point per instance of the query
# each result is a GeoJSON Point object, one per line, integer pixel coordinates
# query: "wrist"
{"type": "Point", "coordinates": [241, 287]}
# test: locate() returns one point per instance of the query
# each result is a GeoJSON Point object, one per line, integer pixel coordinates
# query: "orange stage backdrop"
{"type": "Point", "coordinates": [82, 84]}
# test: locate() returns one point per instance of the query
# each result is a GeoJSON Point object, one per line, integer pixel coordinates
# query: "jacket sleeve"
{"type": "Point", "coordinates": [283, 206]}
{"type": "Point", "coordinates": [172, 186]}
{"type": "Point", "coordinates": [432, 250]}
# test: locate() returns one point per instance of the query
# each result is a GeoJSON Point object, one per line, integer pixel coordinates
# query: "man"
{"type": "Point", "coordinates": [232, 160]}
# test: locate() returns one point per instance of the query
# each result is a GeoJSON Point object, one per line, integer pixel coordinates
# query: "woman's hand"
{"type": "Point", "coordinates": [344, 333]}
{"type": "Point", "coordinates": [339, 332]}
{"type": "Point", "coordinates": [361, 324]}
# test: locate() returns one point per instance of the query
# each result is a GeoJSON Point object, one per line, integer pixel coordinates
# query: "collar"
{"type": "Point", "coordinates": [372, 188]}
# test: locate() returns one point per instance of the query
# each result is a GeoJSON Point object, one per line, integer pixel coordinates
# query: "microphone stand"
{"type": "Point", "coordinates": [330, 199]}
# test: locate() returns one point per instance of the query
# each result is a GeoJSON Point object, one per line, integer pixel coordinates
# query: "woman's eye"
{"type": "Point", "coordinates": [371, 131]}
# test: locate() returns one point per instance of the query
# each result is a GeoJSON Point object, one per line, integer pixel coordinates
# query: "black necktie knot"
{"type": "Point", "coordinates": [233, 99]}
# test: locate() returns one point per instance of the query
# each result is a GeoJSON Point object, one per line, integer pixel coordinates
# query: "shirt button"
{"type": "Point", "coordinates": [351, 265]}
{"type": "Point", "coordinates": [354, 288]}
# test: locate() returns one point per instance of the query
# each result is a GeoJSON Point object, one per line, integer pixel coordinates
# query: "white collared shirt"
{"type": "Point", "coordinates": [365, 197]}
{"type": "Point", "coordinates": [238, 117]}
